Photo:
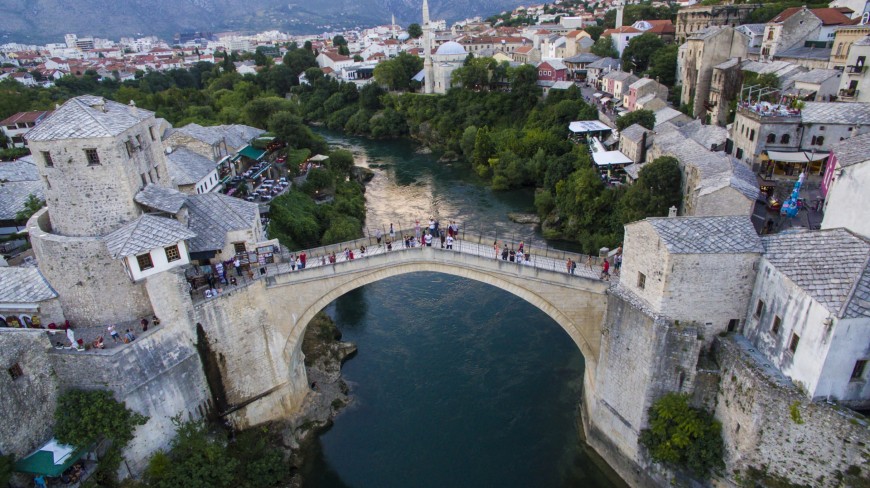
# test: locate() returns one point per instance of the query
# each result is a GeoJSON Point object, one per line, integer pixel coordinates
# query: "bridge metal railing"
{"type": "Point", "coordinates": [536, 253]}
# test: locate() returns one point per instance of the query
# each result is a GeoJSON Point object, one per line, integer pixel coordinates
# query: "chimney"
{"type": "Point", "coordinates": [132, 106]}
{"type": "Point", "coordinates": [672, 212]}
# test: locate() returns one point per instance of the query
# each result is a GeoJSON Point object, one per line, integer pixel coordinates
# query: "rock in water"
{"type": "Point", "coordinates": [524, 218]}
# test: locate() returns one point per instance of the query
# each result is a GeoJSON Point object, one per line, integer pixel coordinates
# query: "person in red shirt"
{"type": "Point", "coordinates": [302, 258]}
{"type": "Point", "coordinates": [605, 270]}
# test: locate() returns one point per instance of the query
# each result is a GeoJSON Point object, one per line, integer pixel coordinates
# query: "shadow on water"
{"type": "Point", "coordinates": [458, 384]}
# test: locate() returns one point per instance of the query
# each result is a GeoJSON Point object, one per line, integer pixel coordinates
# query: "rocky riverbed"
{"type": "Point", "coordinates": [324, 353]}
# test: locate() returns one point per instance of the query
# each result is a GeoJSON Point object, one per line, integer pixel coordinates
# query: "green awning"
{"type": "Point", "coordinates": [51, 460]}
{"type": "Point", "coordinates": [251, 153]}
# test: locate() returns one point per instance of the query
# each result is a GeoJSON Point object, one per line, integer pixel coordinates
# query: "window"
{"type": "Point", "coordinates": [858, 370]}
{"type": "Point", "coordinates": [93, 157]}
{"type": "Point", "coordinates": [732, 324]}
{"type": "Point", "coordinates": [777, 322]}
{"type": "Point", "coordinates": [151, 131]}
{"type": "Point", "coordinates": [641, 280]}
{"type": "Point", "coordinates": [172, 253]}
{"type": "Point", "coordinates": [129, 147]}
{"type": "Point", "coordinates": [813, 141]}
{"type": "Point", "coordinates": [793, 345]}
{"type": "Point", "coordinates": [770, 35]}
{"type": "Point", "coordinates": [759, 308]}
{"type": "Point", "coordinates": [239, 247]}
{"type": "Point", "coordinates": [821, 127]}
{"type": "Point", "coordinates": [820, 140]}
{"type": "Point", "coordinates": [15, 371]}
{"type": "Point", "coordinates": [752, 135]}
{"type": "Point", "coordinates": [138, 140]}
{"type": "Point", "coordinates": [738, 154]}
{"type": "Point", "coordinates": [144, 261]}
{"type": "Point", "coordinates": [46, 156]}
{"type": "Point", "coordinates": [771, 138]}
{"type": "Point", "coordinates": [784, 139]}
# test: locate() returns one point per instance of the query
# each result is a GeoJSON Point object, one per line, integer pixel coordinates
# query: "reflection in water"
{"type": "Point", "coordinates": [457, 384]}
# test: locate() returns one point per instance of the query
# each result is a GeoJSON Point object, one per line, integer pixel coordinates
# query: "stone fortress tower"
{"type": "Point", "coordinates": [93, 156]}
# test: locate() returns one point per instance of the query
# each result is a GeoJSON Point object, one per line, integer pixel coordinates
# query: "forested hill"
{"type": "Point", "coordinates": [42, 21]}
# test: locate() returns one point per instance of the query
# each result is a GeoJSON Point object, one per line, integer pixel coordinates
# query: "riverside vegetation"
{"type": "Point", "coordinates": [497, 123]}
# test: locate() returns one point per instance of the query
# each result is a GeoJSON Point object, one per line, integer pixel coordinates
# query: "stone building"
{"type": "Point", "coordinates": [679, 265]}
{"type": "Point", "coordinates": [20, 180]}
{"type": "Point", "coordinates": [844, 186]}
{"type": "Point", "coordinates": [26, 296]}
{"type": "Point", "coordinates": [697, 58]}
{"type": "Point", "coordinates": [192, 172]}
{"type": "Point", "coordinates": [596, 70]}
{"type": "Point", "coordinates": [809, 312]}
{"type": "Point", "coordinates": [816, 85]}
{"type": "Point", "coordinates": [713, 183]}
{"type": "Point", "coordinates": [15, 126]}
{"type": "Point", "coordinates": [727, 82]}
{"type": "Point", "coordinates": [807, 135]}
{"type": "Point", "coordinates": [845, 36]}
{"type": "Point", "coordinates": [694, 19]}
{"type": "Point", "coordinates": [633, 142]}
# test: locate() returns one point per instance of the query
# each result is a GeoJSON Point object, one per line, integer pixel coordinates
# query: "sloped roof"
{"type": "Point", "coordinates": [161, 198]}
{"type": "Point", "coordinates": [836, 113]}
{"type": "Point", "coordinates": [24, 285]}
{"type": "Point", "coordinates": [853, 150]}
{"type": "Point", "coordinates": [212, 215]}
{"type": "Point", "coordinates": [753, 28]}
{"type": "Point", "coordinates": [605, 63]}
{"type": "Point", "coordinates": [626, 29]}
{"type": "Point", "coordinates": [828, 16]}
{"type": "Point", "coordinates": [634, 132]}
{"type": "Point", "coordinates": [187, 167]}
{"type": "Point", "coordinates": [144, 234]}
{"type": "Point", "coordinates": [87, 116]}
{"type": "Point", "coordinates": [707, 235]}
{"type": "Point", "coordinates": [620, 76]}
{"type": "Point", "coordinates": [14, 194]}
{"type": "Point", "coordinates": [816, 75]}
{"type": "Point", "coordinates": [582, 58]}
{"type": "Point", "coordinates": [25, 117]}
{"type": "Point", "coordinates": [22, 169]}
{"type": "Point", "coordinates": [838, 278]}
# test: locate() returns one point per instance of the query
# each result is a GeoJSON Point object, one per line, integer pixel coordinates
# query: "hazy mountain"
{"type": "Point", "coordinates": [41, 21]}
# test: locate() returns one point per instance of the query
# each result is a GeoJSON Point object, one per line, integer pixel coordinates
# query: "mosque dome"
{"type": "Point", "coordinates": [450, 48]}
{"type": "Point", "coordinates": [404, 36]}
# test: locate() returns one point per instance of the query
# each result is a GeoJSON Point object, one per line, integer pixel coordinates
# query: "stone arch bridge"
{"type": "Point", "coordinates": [267, 318]}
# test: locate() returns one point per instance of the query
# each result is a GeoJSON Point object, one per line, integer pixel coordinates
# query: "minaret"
{"type": "Point", "coordinates": [393, 26]}
{"type": "Point", "coordinates": [428, 70]}
{"type": "Point", "coordinates": [619, 8]}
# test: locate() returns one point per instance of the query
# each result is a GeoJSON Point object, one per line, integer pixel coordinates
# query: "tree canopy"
{"type": "Point", "coordinates": [637, 55]}
{"type": "Point", "coordinates": [604, 47]}
{"type": "Point", "coordinates": [415, 31]}
{"type": "Point", "coordinates": [646, 118]}
{"type": "Point", "coordinates": [682, 436]}
{"type": "Point", "coordinates": [83, 417]}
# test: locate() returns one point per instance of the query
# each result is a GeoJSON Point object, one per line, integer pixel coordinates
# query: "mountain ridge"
{"type": "Point", "coordinates": [43, 21]}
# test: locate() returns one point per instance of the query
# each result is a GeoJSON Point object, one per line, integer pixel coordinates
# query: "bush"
{"type": "Point", "coordinates": [84, 417]}
{"type": "Point", "coordinates": [683, 436]}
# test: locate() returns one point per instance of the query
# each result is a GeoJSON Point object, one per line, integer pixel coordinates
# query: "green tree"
{"type": "Point", "coordinates": [415, 31]}
{"type": "Point", "coordinates": [339, 40]}
{"type": "Point", "coordinates": [483, 149]}
{"type": "Point", "coordinates": [257, 111]}
{"type": "Point", "coordinates": [396, 73]}
{"type": "Point", "coordinates": [657, 188]}
{"type": "Point", "coordinates": [640, 50]}
{"type": "Point", "coordinates": [196, 459]}
{"type": "Point", "coordinates": [467, 142]}
{"type": "Point", "coordinates": [663, 65]}
{"type": "Point", "coordinates": [594, 31]}
{"type": "Point", "coordinates": [344, 50]}
{"type": "Point", "coordinates": [604, 47]}
{"type": "Point", "coordinates": [646, 118]}
{"type": "Point", "coordinates": [84, 417]}
{"type": "Point", "coordinates": [682, 436]}
{"type": "Point", "coordinates": [340, 162]}
{"type": "Point", "coordinates": [31, 206]}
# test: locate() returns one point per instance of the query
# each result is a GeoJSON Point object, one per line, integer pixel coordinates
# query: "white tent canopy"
{"type": "Point", "coordinates": [584, 126]}
{"type": "Point", "coordinates": [796, 156]}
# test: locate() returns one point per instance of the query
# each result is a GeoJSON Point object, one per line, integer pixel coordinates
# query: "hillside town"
{"type": "Point", "coordinates": [764, 257]}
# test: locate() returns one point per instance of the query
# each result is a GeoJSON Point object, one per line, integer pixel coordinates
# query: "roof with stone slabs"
{"type": "Point", "coordinates": [838, 278]}
{"type": "Point", "coordinates": [24, 285]}
{"type": "Point", "coordinates": [853, 150]}
{"type": "Point", "coordinates": [161, 198]}
{"type": "Point", "coordinates": [707, 235]}
{"type": "Point", "coordinates": [18, 180]}
{"type": "Point", "coordinates": [144, 234]}
{"type": "Point", "coordinates": [212, 215]}
{"type": "Point", "coordinates": [87, 117]}
{"type": "Point", "coordinates": [187, 167]}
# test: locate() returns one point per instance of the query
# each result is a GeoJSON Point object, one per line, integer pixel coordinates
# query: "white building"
{"type": "Point", "coordinates": [847, 178]}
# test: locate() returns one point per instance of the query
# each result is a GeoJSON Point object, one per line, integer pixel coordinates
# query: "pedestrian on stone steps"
{"type": "Point", "coordinates": [449, 242]}
{"type": "Point", "coordinates": [378, 236]}
{"type": "Point", "coordinates": [568, 266]}
{"type": "Point", "coordinates": [428, 240]}
{"type": "Point", "coordinates": [495, 247]}
{"type": "Point", "coordinates": [392, 232]}
{"type": "Point", "coordinates": [443, 238]}
{"type": "Point", "coordinates": [573, 266]}
{"type": "Point", "coordinates": [605, 270]}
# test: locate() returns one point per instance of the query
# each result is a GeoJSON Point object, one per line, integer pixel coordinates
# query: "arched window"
{"type": "Point", "coordinates": [839, 48]}
{"type": "Point", "coordinates": [771, 138]}
{"type": "Point", "coordinates": [784, 139]}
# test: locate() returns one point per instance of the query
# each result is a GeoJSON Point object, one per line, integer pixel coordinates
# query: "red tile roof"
{"type": "Point", "coordinates": [662, 26]}
{"type": "Point", "coordinates": [626, 29]}
{"type": "Point", "coordinates": [26, 117]}
{"type": "Point", "coordinates": [828, 16]}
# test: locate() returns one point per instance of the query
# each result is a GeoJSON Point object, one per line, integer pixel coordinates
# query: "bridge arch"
{"type": "Point", "coordinates": [577, 304]}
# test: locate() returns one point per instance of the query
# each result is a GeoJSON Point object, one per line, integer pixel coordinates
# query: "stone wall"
{"type": "Point", "coordinates": [647, 356]}
{"type": "Point", "coordinates": [770, 427]}
{"type": "Point", "coordinates": [93, 288]}
{"type": "Point", "coordinates": [27, 402]}
{"type": "Point", "coordinates": [724, 201]}
{"type": "Point", "coordinates": [159, 375]}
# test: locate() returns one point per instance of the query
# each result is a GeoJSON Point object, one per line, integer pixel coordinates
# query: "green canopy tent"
{"type": "Point", "coordinates": [250, 153]}
{"type": "Point", "coordinates": [50, 460]}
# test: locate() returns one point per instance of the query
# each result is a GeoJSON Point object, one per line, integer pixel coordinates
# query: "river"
{"type": "Point", "coordinates": [456, 383]}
